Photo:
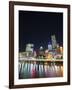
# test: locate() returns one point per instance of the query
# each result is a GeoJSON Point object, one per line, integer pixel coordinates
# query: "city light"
{"type": "Point", "coordinates": [43, 62]}
{"type": "Point", "coordinates": [54, 51]}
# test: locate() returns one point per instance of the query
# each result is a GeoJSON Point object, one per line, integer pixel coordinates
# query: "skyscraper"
{"type": "Point", "coordinates": [49, 46]}
{"type": "Point", "coordinates": [54, 43]}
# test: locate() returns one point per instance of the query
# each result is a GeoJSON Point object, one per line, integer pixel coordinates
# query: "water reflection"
{"type": "Point", "coordinates": [29, 69]}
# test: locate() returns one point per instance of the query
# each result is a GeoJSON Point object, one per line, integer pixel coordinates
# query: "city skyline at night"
{"type": "Point", "coordinates": [38, 27]}
{"type": "Point", "coordinates": [40, 44]}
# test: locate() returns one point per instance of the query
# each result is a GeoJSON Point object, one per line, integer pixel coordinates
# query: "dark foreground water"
{"type": "Point", "coordinates": [28, 69]}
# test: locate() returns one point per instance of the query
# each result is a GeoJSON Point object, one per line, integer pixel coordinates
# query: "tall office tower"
{"type": "Point", "coordinates": [54, 43]}
{"type": "Point", "coordinates": [49, 46]}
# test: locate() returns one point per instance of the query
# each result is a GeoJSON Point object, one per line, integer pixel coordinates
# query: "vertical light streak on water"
{"type": "Point", "coordinates": [41, 70]}
{"type": "Point", "coordinates": [30, 69]}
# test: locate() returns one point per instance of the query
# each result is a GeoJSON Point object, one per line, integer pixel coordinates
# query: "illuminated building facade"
{"type": "Point", "coordinates": [41, 53]}
{"type": "Point", "coordinates": [54, 43]}
{"type": "Point", "coordinates": [53, 51]}
{"type": "Point", "coordinates": [29, 47]}
{"type": "Point", "coordinates": [49, 46]}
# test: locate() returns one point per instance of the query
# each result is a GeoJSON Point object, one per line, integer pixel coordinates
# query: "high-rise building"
{"type": "Point", "coordinates": [49, 46]}
{"type": "Point", "coordinates": [29, 47]}
{"type": "Point", "coordinates": [54, 43]}
{"type": "Point", "coordinates": [30, 50]}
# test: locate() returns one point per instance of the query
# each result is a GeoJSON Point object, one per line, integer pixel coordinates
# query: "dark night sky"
{"type": "Point", "coordinates": [37, 28]}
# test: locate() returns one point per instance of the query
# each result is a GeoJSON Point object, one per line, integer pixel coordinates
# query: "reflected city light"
{"type": "Point", "coordinates": [39, 70]}
{"type": "Point", "coordinates": [41, 63]}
